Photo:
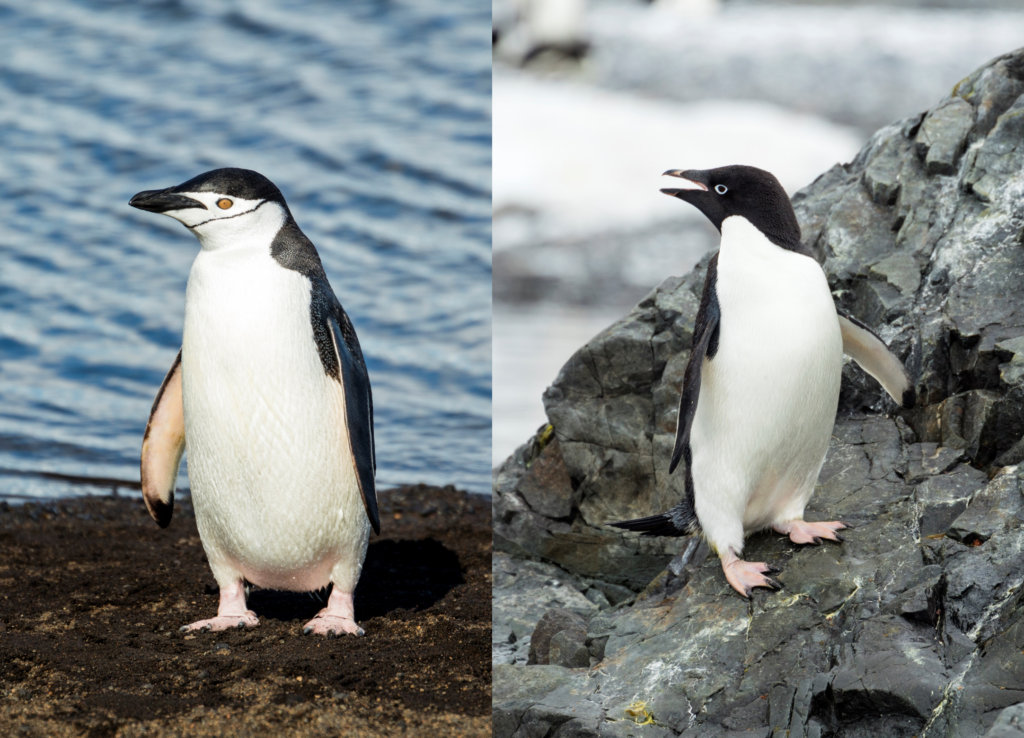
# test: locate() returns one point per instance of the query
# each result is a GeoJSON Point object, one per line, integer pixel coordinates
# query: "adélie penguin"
{"type": "Point", "coordinates": [761, 388]}
{"type": "Point", "coordinates": [271, 396]}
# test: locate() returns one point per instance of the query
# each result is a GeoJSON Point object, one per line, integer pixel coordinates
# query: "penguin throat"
{"type": "Point", "coordinates": [254, 229]}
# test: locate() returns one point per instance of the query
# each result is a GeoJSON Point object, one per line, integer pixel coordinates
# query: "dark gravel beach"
{"type": "Point", "coordinates": [92, 594]}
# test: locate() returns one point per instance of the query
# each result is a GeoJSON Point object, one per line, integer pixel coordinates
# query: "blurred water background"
{"type": "Point", "coordinates": [373, 117]}
{"type": "Point", "coordinates": [594, 99]}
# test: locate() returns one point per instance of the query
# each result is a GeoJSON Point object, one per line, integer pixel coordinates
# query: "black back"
{"type": "Point", "coordinates": [750, 193]}
{"type": "Point", "coordinates": [340, 354]}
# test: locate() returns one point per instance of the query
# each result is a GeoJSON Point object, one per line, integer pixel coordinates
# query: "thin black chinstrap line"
{"type": "Point", "coordinates": [236, 215]}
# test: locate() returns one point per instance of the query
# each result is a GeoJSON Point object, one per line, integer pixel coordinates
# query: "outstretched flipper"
{"type": "Point", "coordinates": [162, 447]}
{"type": "Point", "coordinates": [682, 519]}
{"type": "Point", "coordinates": [865, 347]}
{"type": "Point", "coordinates": [355, 382]}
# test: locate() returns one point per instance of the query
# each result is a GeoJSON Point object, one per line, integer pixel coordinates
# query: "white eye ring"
{"type": "Point", "coordinates": [721, 189]}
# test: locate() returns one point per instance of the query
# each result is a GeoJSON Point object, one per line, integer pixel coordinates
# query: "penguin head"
{"type": "Point", "coordinates": [740, 191]}
{"type": "Point", "coordinates": [223, 207]}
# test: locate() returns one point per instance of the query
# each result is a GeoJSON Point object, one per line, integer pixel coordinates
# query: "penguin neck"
{"type": "Point", "coordinates": [743, 239]}
{"type": "Point", "coordinates": [254, 230]}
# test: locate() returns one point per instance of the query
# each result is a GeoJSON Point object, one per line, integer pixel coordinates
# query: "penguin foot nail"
{"type": "Point", "coordinates": [184, 629]}
{"type": "Point", "coordinates": [307, 630]}
{"type": "Point", "coordinates": [839, 538]}
{"type": "Point", "coordinates": [773, 583]}
{"type": "Point", "coordinates": [241, 625]}
{"type": "Point", "coordinates": [774, 570]}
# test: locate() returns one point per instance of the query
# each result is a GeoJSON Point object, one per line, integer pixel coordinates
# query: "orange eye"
{"type": "Point", "coordinates": [224, 204]}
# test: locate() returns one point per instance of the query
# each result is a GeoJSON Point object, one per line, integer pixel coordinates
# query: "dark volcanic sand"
{"type": "Point", "coordinates": [92, 594]}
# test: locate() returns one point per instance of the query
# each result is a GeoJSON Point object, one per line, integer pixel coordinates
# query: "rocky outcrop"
{"type": "Point", "coordinates": [911, 627]}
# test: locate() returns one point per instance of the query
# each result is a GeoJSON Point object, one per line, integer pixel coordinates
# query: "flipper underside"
{"type": "Point", "coordinates": [862, 345]}
{"type": "Point", "coordinates": [162, 447]}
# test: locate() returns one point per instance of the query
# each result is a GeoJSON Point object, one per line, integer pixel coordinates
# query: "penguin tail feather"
{"type": "Point", "coordinates": [655, 525]}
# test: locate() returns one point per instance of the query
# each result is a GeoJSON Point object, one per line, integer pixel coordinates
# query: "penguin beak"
{"type": "Point", "coordinates": [161, 201]}
{"type": "Point", "coordinates": [692, 181]}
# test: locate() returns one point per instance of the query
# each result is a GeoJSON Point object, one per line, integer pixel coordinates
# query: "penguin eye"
{"type": "Point", "coordinates": [721, 189]}
{"type": "Point", "coordinates": [224, 203]}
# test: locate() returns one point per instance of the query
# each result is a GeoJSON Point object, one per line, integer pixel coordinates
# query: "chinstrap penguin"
{"type": "Point", "coordinates": [271, 396]}
{"type": "Point", "coordinates": [761, 388]}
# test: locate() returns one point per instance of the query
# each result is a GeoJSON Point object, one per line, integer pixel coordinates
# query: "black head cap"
{"type": "Point", "coordinates": [748, 192]}
{"type": "Point", "coordinates": [243, 184]}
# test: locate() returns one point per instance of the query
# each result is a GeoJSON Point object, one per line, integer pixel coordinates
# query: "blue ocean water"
{"type": "Point", "coordinates": [374, 120]}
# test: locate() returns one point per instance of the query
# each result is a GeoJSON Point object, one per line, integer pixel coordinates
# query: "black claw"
{"type": "Point", "coordinates": [183, 629]}
{"type": "Point", "coordinates": [331, 634]}
{"type": "Point", "coordinates": [773, 584]}
{"type": "Point", "coordinates": [774, 570]}
{"type": "Point", "coordinates": [241, 625]}
{"type": "Point", "coordinates": [206, 629]}
{"type": "Point", "coordinates": [817, 541]}
{"type": "Point", "coordinates": [839, 538]}
{"type": "Point", "coordinates": [307, 630]}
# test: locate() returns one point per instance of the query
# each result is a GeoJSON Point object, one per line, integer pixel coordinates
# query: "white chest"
{"type": "Point", "coordinates": [768, 397]}
{"type": "Point", "coordinates": [264, 424]}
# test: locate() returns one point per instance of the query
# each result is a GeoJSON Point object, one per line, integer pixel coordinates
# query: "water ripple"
{"type": "Point", "coordinates": [372, 117]}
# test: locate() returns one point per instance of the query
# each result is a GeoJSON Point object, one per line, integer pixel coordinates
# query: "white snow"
{"type": "Point", "coordinates": [571, 161]}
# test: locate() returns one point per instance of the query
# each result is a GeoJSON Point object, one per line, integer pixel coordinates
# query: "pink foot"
{"type": "Point", "coordinates": [745, 575]}
{"type": "Point", "coordinates": [231, 613]}
{"type": "Point", "coordinates": [800, 531]}
{"type": "Point", "coordinates": [337, 619]}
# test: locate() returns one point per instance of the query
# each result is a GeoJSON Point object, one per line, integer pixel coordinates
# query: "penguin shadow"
{"type": "Point", "coordinates": [397, 575]}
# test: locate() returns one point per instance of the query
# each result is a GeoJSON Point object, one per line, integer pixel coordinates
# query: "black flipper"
{"type": "Point", "coordinates": [705, 344]}
{"type": "Point", "coordinates": [358, 409]}
{"type": "Point", "coordinates": [682, 519]}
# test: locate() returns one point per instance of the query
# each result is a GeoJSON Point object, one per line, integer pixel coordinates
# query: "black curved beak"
{"type": "Point", "coordinates": [695, 181]}
{"type": "Point", "coordinates": [160, 201]}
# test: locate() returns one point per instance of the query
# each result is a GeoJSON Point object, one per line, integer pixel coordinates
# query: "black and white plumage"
{"type": "Point", "coordinates": [271, 395]}
{"type": "Point", "coordinates": [761, 388]}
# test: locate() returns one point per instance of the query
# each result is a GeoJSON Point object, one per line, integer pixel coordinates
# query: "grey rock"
{"type": "Point", "coordinates": [523, 592]}
{"type": "Point", "coordinates": [942, 136]}
{"type": "Point", "coordinates": [557, 622]}
{"type": "Point", "coordinates": [568, 648]}
{"type": "Point", "coordinates": [915, 625]}
{"type": "Point", "coordinates": [928, 459]}
{"type": "Point", "coordinates": [1009, 724]}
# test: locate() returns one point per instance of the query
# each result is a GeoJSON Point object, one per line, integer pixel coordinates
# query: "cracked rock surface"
{"type": "Point", "coordinates": [913, 626]}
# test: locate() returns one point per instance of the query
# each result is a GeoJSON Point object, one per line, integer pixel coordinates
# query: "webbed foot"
{"type": "Point", "coordinates": [240, 621]}
{"type": "Point", "coordinates": [337, 619]}
{"type": "Point", "coordinates": [800, 531]}
{"type": "Point", "coordinates": [745, 575]}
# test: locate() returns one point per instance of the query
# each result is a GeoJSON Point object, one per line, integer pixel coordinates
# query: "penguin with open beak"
{"type": "Point", "coordinates": [761, 388]}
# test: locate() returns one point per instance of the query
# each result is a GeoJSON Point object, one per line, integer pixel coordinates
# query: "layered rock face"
{"type": "Point", "coordinates": [909, 628]}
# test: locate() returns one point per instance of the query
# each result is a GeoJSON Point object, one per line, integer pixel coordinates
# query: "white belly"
{"type": "Point", "coordinates": [273, 484]}
{"type": "Point", "coordinates": [768, 398]}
